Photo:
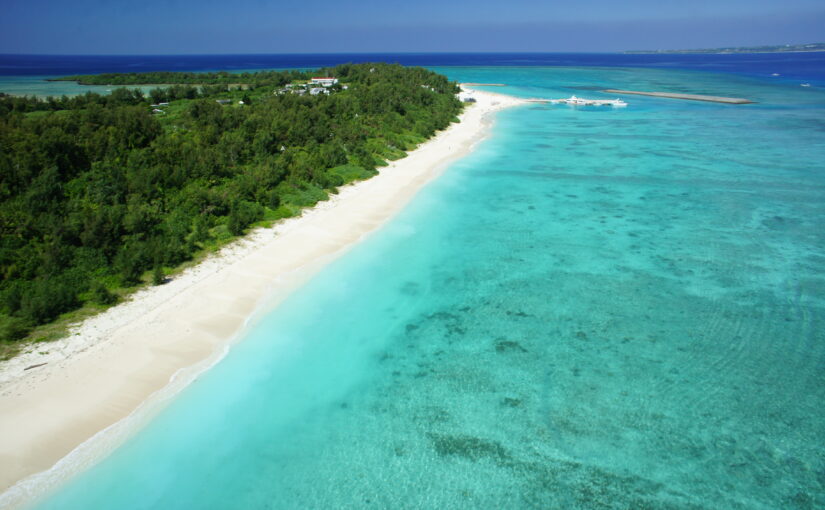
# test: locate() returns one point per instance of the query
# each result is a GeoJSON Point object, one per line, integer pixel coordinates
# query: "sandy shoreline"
{"type": "Point", "coordinates": [111, 364]}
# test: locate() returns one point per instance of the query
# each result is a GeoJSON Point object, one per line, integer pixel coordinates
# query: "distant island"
{"type": "Point", "coordinates": [782, 48]}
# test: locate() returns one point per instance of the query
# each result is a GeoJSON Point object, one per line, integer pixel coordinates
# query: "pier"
{"type": "Point", "coordinates": [690, 97]}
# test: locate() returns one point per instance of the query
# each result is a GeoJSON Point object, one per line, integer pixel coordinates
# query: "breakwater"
{"type": "Point", "coordinates": [690, 97]}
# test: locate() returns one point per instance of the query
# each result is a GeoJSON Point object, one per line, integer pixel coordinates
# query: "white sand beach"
{"type": "Point", "coordinates": [125, 358]}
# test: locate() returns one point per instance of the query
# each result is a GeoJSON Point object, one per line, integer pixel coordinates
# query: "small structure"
{"type": "Point", "coordinates": [466, 97]}
{"type": "Point", "coordinates": [324, 82]}
{"type": "Point", "coordinates": [157, 110]}
{"type": "Point", "coordinates": [223, 101]}
{"type": "Point", "coordinates": [318, 90]}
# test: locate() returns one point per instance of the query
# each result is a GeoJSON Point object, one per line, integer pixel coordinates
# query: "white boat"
{"type": "Point", "coordinates": [579, 101]}
{"type": "Point", "coordinates": [805, 85]}
{"type": "Point", "coordinates": [775, 74]}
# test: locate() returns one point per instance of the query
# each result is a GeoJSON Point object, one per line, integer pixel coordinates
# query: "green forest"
{"type": "Point", "coordinates": [103, 193]}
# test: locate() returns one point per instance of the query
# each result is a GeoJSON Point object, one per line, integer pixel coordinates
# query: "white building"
{"type": "Point", "coordinates": [324, 82]}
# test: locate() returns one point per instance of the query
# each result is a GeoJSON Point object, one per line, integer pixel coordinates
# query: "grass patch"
{"type": "Point", "coordinates": [351, 173]}
{"type": "Point", "coordinates": [44, 113]}
{"type": "Point", "coordinates": [305, 196]}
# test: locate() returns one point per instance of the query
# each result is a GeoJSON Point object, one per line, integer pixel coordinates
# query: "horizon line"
{"type": "Point", "coordinates": [4, 54]}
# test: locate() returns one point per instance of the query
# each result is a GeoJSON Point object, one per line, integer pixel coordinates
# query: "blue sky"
{"type": "Point", "coordinates": [327, 26]}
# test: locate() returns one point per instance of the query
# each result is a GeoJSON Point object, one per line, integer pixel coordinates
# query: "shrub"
{"type": "Point", "coordinates": [241, 215]}
{"type": "Point", "coordinates": [158, 276]}
{"type": "Point", "coordinates": [46, 299]}
{"type": "Point", "coordinates": [102, 295]}
{"type": "Point", "coordinates": [13, 328]}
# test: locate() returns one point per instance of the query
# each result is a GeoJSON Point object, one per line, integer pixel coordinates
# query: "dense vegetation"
{"type": "Point", "coordinates": [99, 193]}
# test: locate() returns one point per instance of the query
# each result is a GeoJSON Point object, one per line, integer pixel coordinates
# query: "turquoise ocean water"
{"type": "Point", "coordinates": [597, 308]}
{"type": "Point", "coordinates": [40, 87]}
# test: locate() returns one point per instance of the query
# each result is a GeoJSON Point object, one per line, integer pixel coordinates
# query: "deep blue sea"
{"type": "Point", "coordinates": [597, 308]}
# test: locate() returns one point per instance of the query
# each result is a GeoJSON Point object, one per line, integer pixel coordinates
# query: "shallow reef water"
{"type": "Point", "coordinates": [597, 308]}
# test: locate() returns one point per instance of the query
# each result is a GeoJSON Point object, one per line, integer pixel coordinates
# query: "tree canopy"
{"type": "Point", "coordinates": [99, 193]}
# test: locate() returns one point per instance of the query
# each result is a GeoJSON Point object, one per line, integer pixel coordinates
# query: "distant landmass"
{"type": "Point", "coordinates": [782, 48]}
